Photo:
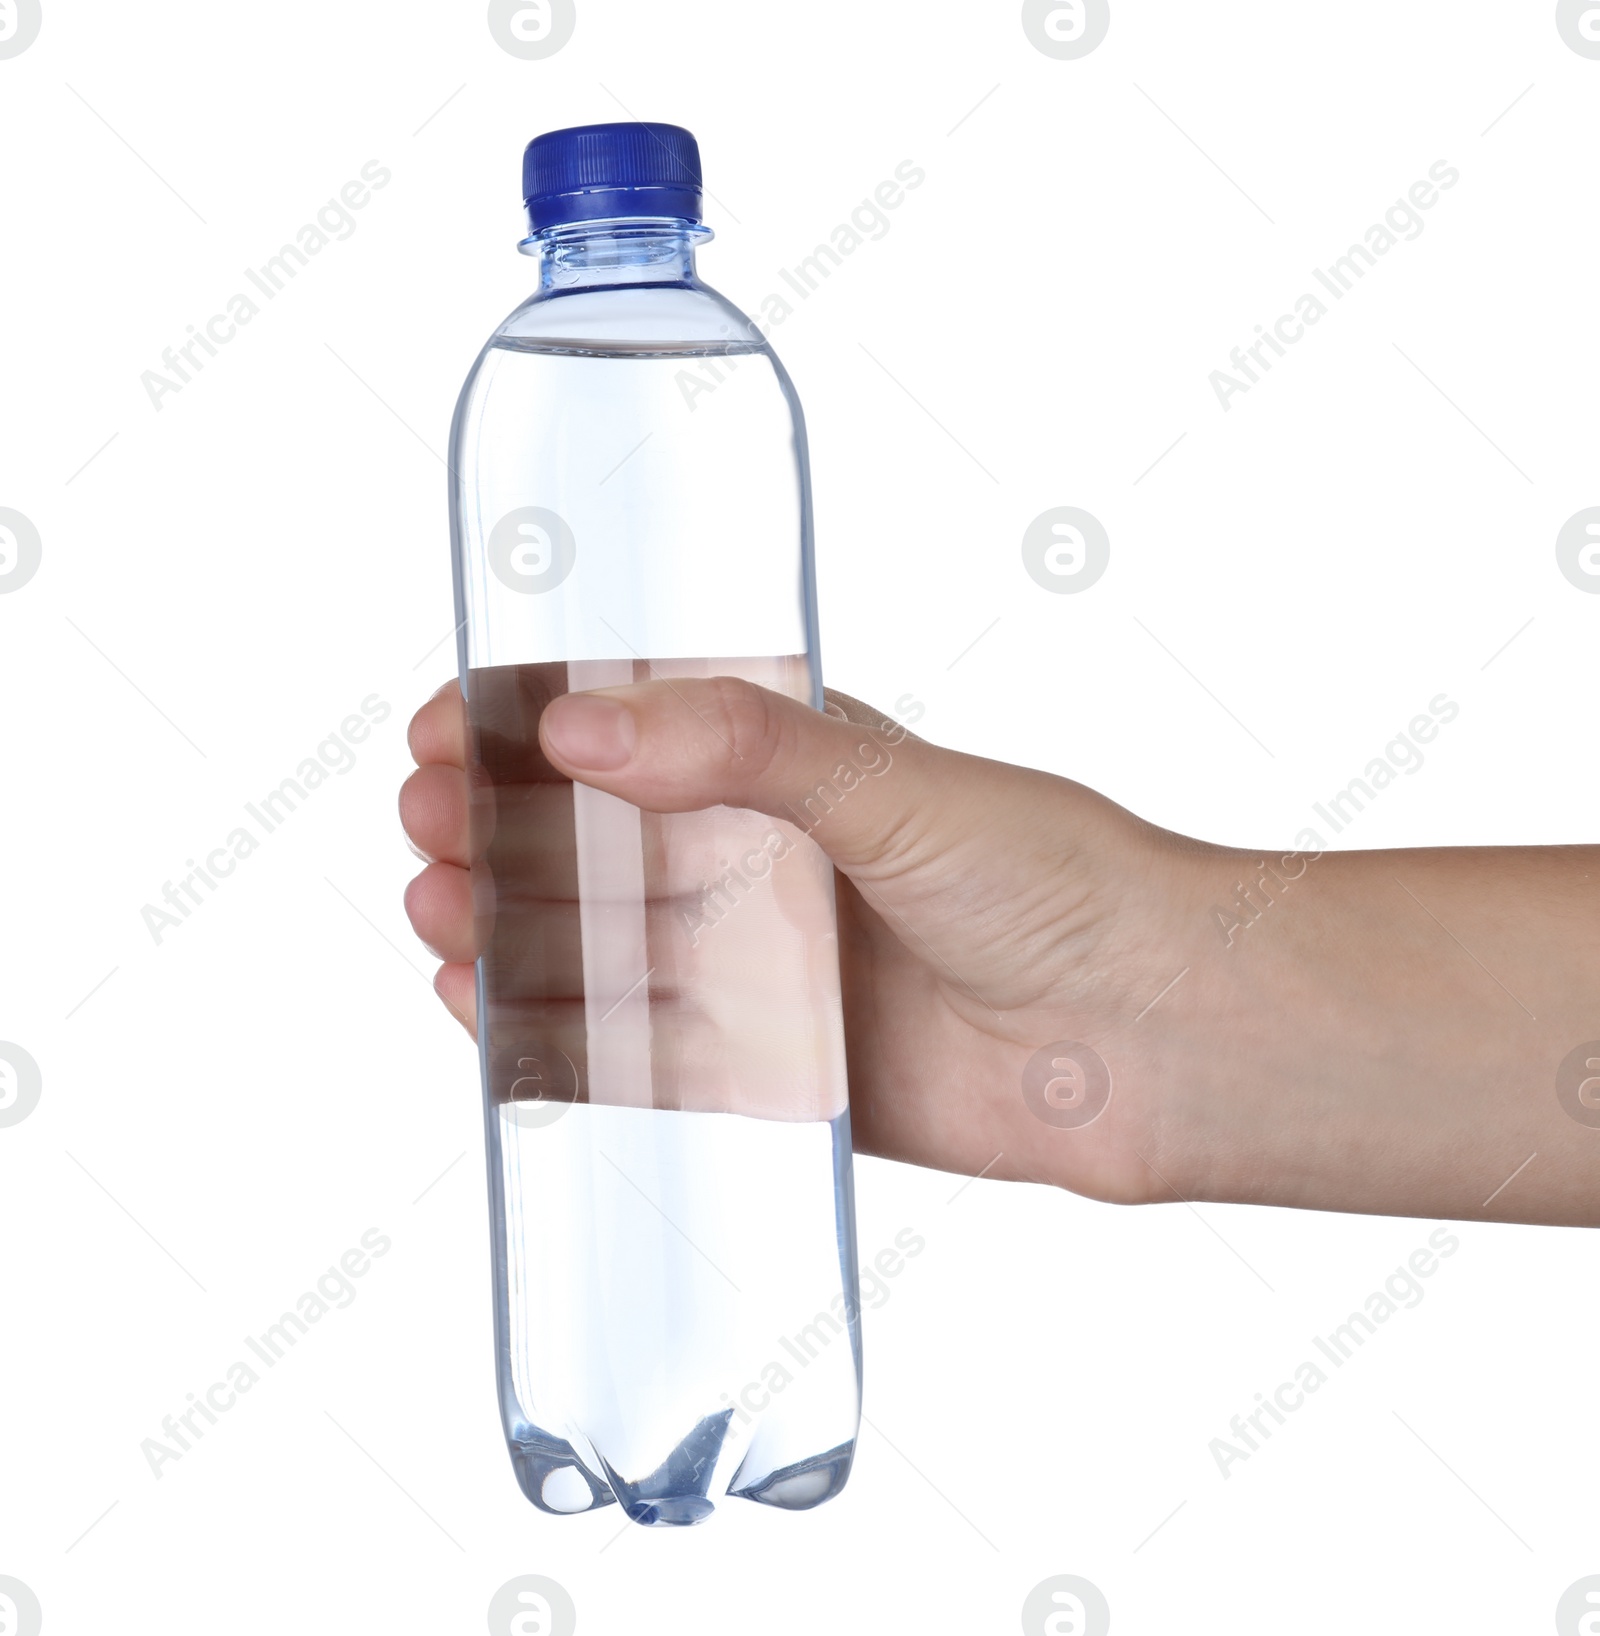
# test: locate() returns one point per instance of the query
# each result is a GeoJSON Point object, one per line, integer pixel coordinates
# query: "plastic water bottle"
{"type": "Point", "coordinates": [659, 1023]}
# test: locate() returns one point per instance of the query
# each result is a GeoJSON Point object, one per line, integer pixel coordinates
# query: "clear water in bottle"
{"type": "Point", "coordinates": [660, 1029]}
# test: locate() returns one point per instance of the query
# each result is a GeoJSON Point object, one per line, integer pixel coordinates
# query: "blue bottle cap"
{"type": "Point", "coordinates": [597, 172]}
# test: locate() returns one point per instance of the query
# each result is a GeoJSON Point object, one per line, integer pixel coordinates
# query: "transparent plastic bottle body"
{"type": "Point", "coordinates": [660, 1031]}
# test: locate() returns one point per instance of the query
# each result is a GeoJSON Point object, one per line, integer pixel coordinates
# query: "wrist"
{"type": "Point", "coordinates": [1212, 988]}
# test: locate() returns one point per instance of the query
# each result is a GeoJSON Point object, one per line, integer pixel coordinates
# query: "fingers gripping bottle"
{"type": "Point", "coordinates": [659, 1025]}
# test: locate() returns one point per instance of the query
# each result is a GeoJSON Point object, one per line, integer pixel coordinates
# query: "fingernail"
{"type": "Point", "coordinates": [591, 731]}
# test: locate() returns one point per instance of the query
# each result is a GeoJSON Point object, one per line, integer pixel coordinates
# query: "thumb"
{"type": "Point", "coordinates": [865, 790]}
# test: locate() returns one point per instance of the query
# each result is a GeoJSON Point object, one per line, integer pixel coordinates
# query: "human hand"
{"type": "Point", "coordinates": [985, 910]}
{"type": "Point", "coordinates": [1355, 1052]}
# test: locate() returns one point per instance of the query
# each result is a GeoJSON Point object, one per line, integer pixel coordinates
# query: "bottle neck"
{"type": "Point", "coordinates": [605, 254]}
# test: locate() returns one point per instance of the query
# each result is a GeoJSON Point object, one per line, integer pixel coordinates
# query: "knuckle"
{"type": "Point", "coordinates": [747, 724]}
{"type": "Point", "coordinates": [410, 796]}
{"type": "Point", "coordinates": [414, 898]}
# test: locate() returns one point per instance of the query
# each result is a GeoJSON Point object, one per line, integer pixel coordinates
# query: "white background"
{"type": "Point", "coordinates": [227, 578]}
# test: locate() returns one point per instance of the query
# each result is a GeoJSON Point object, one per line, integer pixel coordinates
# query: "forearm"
{"type": "Point", "coordinates": [1385, 1032]}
